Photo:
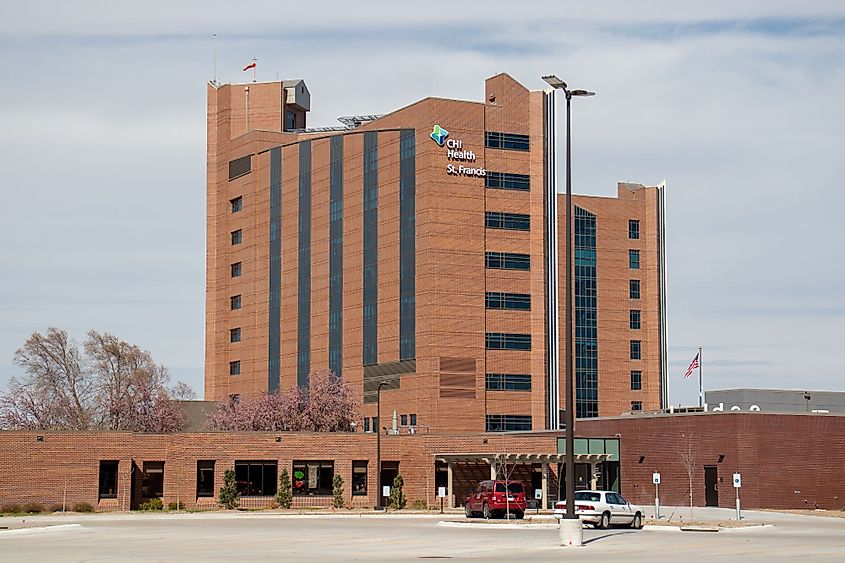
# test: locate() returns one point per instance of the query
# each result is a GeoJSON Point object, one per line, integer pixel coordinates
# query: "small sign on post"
{"type": "Point", "coordinates": [655, 478]}
{"type": "Point", "coordinates": [441, 494]}
{"type": "Point", "coordinates": [737, 486]}
{"type": "Point", "coordinates": [385, 490]}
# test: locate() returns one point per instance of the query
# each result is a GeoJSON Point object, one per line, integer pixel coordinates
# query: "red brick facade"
{"type": "Point", "coordinates": [786, 461]}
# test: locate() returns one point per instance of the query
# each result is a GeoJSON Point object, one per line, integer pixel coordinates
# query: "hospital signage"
{"type": "Point", "coordinates": [461, 158]}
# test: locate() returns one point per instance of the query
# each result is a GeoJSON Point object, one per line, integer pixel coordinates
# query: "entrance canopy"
{"type": "Point", "coordinates": [518, 458]}
{"type": "Point", "coordinates": [504, 459]}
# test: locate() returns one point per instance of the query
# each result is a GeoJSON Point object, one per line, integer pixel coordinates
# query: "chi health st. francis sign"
{"type": "Point", "coordinates": [455, 151]}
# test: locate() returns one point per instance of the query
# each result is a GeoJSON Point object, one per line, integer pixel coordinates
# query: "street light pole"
{"type": "Point", "coordinates": [378, 505]}
{"type": "Point", "coordinates": [571, 535]}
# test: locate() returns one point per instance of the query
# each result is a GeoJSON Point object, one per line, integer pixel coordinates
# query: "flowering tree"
{"type": "Point", "coordinates": [113, 386]}
{"type": "Point", "coordinates": [326, 406]}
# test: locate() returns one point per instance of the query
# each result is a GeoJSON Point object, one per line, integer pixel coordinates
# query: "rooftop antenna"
{"type": "Point", "coordinates": [214, 44]}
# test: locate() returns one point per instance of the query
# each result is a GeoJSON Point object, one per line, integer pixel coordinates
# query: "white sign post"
{"type": "Point", "coordinates": [655, 478]}
{"type": "Point", "coordinates": [737, 485]}
{"type": "Point", "coordinates": [441, 494]}
{"type": "Point", "coordinates": [385, 490]}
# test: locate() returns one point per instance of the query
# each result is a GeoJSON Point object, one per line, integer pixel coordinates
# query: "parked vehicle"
{"type": "Point", "coordinates": [496, 499]}
{"type": "Point", "coordinates": [603, 508]}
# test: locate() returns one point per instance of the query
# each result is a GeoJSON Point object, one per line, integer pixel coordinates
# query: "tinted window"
{"type": "Point", "coordinates": [240, 166]}
{"type": "Point", "coordinates": [514, 487]}
{"type": "Point", "coordinates": [507, 181]}
{"type": "Point", "coordinates": [237, 204]}
{"type": "Point", "coordinates": [592, 497]}
{"type": "Point", "coordinates": [508, 141]}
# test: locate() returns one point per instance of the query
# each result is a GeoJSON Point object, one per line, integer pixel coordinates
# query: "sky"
{"type": "Point", "coordinates": [739, 106]}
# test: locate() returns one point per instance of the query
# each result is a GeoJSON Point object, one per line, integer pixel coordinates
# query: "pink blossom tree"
{"type": "Point", "coordinates": [326, 406]}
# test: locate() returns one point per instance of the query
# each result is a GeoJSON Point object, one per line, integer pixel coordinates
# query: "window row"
{"type": "Point", "coordinates": [508, 422]}
{"type": "Point", "coordinates": [507, 181]}
{"type": "Point", "coordinates": [517, 301]}
{"type": "Point", "coordinates": [507, 341]}
{"type": "Point", "coordinates": [510, 221]}
{"type": "Point", "coordinates": [507, 141]}
{"type": "Point", "coordinates": [507, 261]}
{"type": "Point", "coordinates": [252, 478]}
{"type": "Point", "coordinates": [507, 382]}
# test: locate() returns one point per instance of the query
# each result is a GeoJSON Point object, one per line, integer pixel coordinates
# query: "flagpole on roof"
{"type": "Point", "coordinates": [700, 386]}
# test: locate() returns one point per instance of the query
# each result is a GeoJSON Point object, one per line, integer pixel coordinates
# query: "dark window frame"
{"type": "Point", "coordinates": [237, 203]}
{"type": "Point", "coordinates": [236, 269]}
{"type": "Point", "coordinates": [359, 478]}
{"type": "Point", "coordinates": [324, 482]}
{"type": "Point", "coordinates": [636, 406]}
{"type": "Point", "coordinates": [507, 341]}
{"type": "Point", "coordinates": [235, 302]}
{"type": "Point", "coordinates": [256, 474]}
{"type": "Point", "coordinates": [205, 484]}
{"type": "Point", "coordinates": [636, 380]}
{"type": "Point", "coordinates": [235, 367]}
{"type": "Point", "coordinates": [507, 181]}
{"type": "Point", "coordinates": [237, 237]}
{"type": "Point", "coordinates": [507, 221]}
{"type": "Point", "coordinates": [507, 261]}
{"type": "Point", "coordinates": [508, 423]}
{"type": "Point", "coordinates": [636, 349]}
{"type": "Point", "coordinates": [240, 167]}
{"type": "Point", "coordinates": [635, 319]}
{"type": "Point", "coordinates": [235, 334]}
{"type": "Point", "coordinates": [152, 479]}
{"type": "Point", "coordinates": [634, 289]}
{"type": "Point", "coordinates": [507, 382]}
{"type": "Point", "coordinates": [633, 259]}
{"type": "Point", "coordinates": [507, 301]}
{"type": "Point", "coordinates": [633, 229]}
{"type": "Point", "coordinates": [108, 479]}
{"type": "Point", "coordinates": [507, 141]}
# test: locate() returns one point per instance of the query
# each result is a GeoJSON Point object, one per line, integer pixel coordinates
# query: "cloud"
{"type": "Point", "coordinates": [737, 104]}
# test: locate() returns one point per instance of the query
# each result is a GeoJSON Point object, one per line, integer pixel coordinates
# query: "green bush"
{"type": "Point", "coordinates": [337, 491]}
{"type": "Point", "coordinates": [285, 495]}
{"type": "Point", "coordinates": [152, 504]}
{"type": "Point", "coordinates": [176, 506]}
{"type": "Point", "coordinates": [33, 508]}
{"type": "Point", "coordinates": [83, 507]}
{"type": "Point", "coordinates": [58, 507]}
{"type": "Point", "coordinates": [397, 497]}
{"type": "Point", "coordinates": [419, 505]}
{"type": "Point", "coordinates": [11, 509]}
{"type": "Point", "coordinates": [229, 497]}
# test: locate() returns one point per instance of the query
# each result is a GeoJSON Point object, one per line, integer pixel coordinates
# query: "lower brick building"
{"type": "Point", "coordinates": [786, 461]}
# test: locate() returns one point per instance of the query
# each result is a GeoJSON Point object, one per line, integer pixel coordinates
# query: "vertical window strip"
{"type": "Point", "coordinates": [336, 255]}
{"type": "Point", "coordinates": [407, 245]}
{"type": "Point", "coordinates": [303, 350]}
{"type": "Point", "coordinates": [274, 312]}
{"type": "Point", "coordinates": [370, 313]}
{"type": "Point", "coordinates": [586, 337]}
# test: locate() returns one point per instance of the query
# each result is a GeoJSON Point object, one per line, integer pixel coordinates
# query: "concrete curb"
{"type": "Point", "coordinates": [38, 530]}
{"type": "Point", "coordinates": [481, 526]}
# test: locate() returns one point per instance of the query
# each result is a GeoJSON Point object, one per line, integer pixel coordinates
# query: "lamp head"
{"type": "Point", "coordinates": [555, 82]}
{"type": "Point", "coordinates": [582, 93]}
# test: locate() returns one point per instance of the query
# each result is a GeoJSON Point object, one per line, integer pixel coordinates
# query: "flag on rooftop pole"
{"type": "Point", "coordinates": [252, 66]}
{"type": "Point", "coordinates": [693, 364]}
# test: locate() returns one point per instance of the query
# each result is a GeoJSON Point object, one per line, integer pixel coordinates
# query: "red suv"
{"type": "Point", "coordinates": [496, 498]}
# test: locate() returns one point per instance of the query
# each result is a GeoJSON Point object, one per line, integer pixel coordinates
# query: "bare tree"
{"type": "Point", "coordinates": [687, 455]}
{"type": "Point", "coordinates": [57, 391]}
{"type": "Point", "coordinates": [114, 386]}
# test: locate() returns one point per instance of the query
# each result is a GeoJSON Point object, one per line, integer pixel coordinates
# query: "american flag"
{"type": "Point", "coordinates": [693, 364]}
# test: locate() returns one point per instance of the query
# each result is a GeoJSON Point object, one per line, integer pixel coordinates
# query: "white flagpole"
{"type": "Point", "coordinates": [700, 386]}
{"type": "Point", "coordinates": [254, 68]}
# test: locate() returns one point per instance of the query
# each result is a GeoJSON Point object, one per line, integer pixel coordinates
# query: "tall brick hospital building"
{"type": "Point", "coordinates": [412, 252]}
{"type": "Point", "coordinates": [411, 248]}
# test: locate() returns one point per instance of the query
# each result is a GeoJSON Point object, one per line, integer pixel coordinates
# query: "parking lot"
{"type": "Point", "coordinates": [273, 536]}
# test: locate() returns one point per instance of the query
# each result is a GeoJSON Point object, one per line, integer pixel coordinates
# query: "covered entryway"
{"type": "Point", "coordinates": [464, 471]}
